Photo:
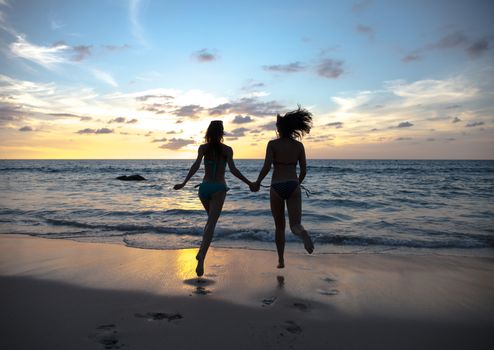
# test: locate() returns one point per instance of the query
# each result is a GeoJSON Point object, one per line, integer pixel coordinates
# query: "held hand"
{"type": "Point", "coordinates": [178, 186]}
{"type": "Point", "coordinates": [254, 187]}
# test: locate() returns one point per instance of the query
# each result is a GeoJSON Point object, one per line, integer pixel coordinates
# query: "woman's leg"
{"type": "Point", "coordinates": [278, 211]}
{"type": "Point", "coordinates": [213, 207]}
{"type": "Point", "coordinates": [294, 206]}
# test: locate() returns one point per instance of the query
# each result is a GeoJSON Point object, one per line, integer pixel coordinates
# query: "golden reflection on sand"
{"type": "Point", "coordinates": [186, 263]}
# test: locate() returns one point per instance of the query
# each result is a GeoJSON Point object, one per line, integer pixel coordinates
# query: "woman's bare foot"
{"type": "Point", "coordinates": [200, 266]}
{"type": "Point", "coordinates": [281, 264]}
{"type": "Point", "coordinates": [308, 245]}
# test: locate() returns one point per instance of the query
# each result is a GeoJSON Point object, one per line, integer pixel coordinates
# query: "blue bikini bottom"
{"type": "Point", "coordinates": [207, 189]}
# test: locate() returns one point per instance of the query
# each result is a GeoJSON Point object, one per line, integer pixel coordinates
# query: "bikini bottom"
{"type": "Point", "coordinates": [207, 189]}
{"type": "Point", "coordinates": [285, 189]}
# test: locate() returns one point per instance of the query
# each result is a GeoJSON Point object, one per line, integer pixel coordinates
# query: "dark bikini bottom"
{"type": "Point", "coordinates": [207, 189]}
{"type": "Point", "coordinates": [285, 189]}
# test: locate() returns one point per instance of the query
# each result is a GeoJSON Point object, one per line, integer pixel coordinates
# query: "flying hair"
{"type": "Point", "coordinates": [294, 124]}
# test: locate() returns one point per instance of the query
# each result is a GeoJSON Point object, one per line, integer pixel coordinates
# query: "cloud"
{"type": "Point", "coordinates": [453, 40]}
{"type": "Point", "coordinates": [238, 132]}
{"type": "Point", "coordinates": [135, 7]}
{"type": "Point", "coordinates": [147, 97]}
{"type": "Point", "coordinates": [132, 121]}
{"type": "Point", "coordinates": [252, 85]}
{"type": "Point", "coordinates": [361, 5]}
{"type": "Point", "coordinates": [56, 25]}
{"type": "Point", "coordinates": [95, 131]}
{"type": "Point", "coordinates": [116, 47]}
{"type": "Point", "coordinates": [411, 57]}
{"type": "Point", "coordinates": [456, 120]}
{"type": "Point", "coordinates": [366, 30]}
{"type": "Point", "coordinates": [118, 120]}
{"type": "Point", "coordinates": [329, 68]}
{"type": "Point", "coordinates": [403, 139]}
{"type": "Point", "coordinates": [26, 128]}
{"type": "Point", "coordinates": [159, 140]}
{"type": "Point", "coordinates": [337, 125]}
{"type": "Point", "coordinates": [474, 124]}
{"type": "Point", "coordinates": [242, 120]}
{"type": "Point", "coordinates": [429, 90]}
{"type": "Point", "coordinates": [81, 52]}
{"type": "Point", "coordinates": [174, 143]}
{"type": "Point", "coordinates": [104, 77]}
{"type": "Point", "coordinates": [286, 68]}
{"type": "Point", "coordinates": [404, 125]}
{"type": "Point", "coordinates": [478, 48]}
{"type": "Point", "coordinates": [249, 106]}
{"type": "Point", "coordinates": [46, 56]}
{"type": "Point", "coordinates": [205, 55]}
{"type": "Point", "coordinates": [188, 111]}
{"type": "Point", "coordinates": [449, 41]}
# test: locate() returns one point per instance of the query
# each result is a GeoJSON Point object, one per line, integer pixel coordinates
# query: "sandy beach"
{"type": "Point", "coordinates": [58, 294]}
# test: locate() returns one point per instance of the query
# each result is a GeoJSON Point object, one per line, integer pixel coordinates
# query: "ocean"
{"type": "Point", "coordinates": [354, 206]}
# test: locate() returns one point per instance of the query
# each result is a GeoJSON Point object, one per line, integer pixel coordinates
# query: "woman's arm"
{"type": "Point", "coordinates": [193, 168]}
{"type": "Point", "coordinates": [233, 168]}
{"type": "Point", "coordinates": [268, 160]}
{"type": "Point", "coordinates": [303, 164]}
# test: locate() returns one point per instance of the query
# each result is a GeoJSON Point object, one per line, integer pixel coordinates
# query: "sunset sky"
{"type": "Point", "coordinates": [111, 79]}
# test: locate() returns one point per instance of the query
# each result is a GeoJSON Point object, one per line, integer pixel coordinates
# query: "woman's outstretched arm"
{"type": "Point", "coordinates": [302, 161]}
{"type": "Point", "coordinates": [233, 168]}
{"type": "Point", "coordinates": [193, 168]}
{"type": "Point", "coordinates": [268, 160]}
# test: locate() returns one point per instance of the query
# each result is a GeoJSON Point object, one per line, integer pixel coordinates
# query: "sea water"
{"type": "Point", "coordinates": [354, 206]}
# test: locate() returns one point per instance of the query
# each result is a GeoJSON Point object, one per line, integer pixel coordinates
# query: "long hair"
{"type": "Point", "coordinates": [294, 124]}
{"type": "Point", "coordinates": [214, 138]}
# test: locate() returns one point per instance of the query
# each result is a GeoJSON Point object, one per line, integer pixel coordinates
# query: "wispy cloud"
{"type": "Point", "coordinates": [104, 77]}
{"type": "Point", "coordinates": [331, 69]}
{"type": "Point", "coordinates": [336, 125]}
{"type": "Point", "coordinates": [457, 39]}
{"type": "Point", "coordinates": [205, 55]}
{"type": "Point", "coordinates": [474, 124]}
{"type": "Point", "coordinates": [366, 30]}
{"type": "Point", "coordinates": [176, 143]}
{"type": "Point", "coordinates": [404, 125]}
{"type": "Point", "coordinates": [95, 131]}
{"type": "Point", "coordinates": [478, 48]}
{"type": "Point", "coordinates": [135, 7]}
{"type": "Point", "coordinates": [361, 5]}
{"type": "Point", "coordinates": [286, 68]}
{"type": "Point", "coordinates": [242, 120]}
{"type": "Point", "coordinates": [26, 128]}
{"type": "Point", "coordinates": [251, 106]}
{"type": "Point", "coordinates": [46, 56]}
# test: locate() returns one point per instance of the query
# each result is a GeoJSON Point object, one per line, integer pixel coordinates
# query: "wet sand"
{"type": "Point", "coordinates": [58, 294]}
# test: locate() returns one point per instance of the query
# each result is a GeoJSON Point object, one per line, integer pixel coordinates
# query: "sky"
{"type": "Point", "coordinates": [142, 79]}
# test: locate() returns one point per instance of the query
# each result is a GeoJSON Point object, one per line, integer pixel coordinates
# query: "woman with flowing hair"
{"type": "Point", "coordinates": [284, 154]}
{"type": "Point", "coordinates": [212, 190]}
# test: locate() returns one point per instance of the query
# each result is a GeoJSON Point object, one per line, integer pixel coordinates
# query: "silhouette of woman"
{"type": "Point", "coordinates": [212, 190]}
{"type": "Point", "coordinates": [284, 153]}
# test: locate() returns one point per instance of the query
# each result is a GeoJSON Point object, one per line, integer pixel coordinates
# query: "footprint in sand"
{"type": "Point", "coordinates": [268, 301]}
{"type": "Point", "coordinates": [328, 279]}
{"type": "Point", "coordinates": [292, 327]}
{"type": "Point", "coordinates": [301, 306]}
{"type": "Point", "coordinates": [201, 291]}
{"type": "Point", "coordinates": [158, 316]}
{"type": "Point", "coordinates": [328, 292]}
{"type": "Point", "coordinates": [106, 335]}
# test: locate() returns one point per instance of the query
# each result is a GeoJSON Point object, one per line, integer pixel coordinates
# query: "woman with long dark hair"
{"type": "Point", "coordinates": [284, 154]}
{"type": "Point", "coordinates": [212, 190]}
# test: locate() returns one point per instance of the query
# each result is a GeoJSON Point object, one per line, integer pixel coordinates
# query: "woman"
{"type": "Point", "coordinates": [284, 153]}
{"type": "Point", "coordinates": [212, 190]}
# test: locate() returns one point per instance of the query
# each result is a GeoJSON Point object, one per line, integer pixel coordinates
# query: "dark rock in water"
{"type": "Point", "coordinates": [135, 177]}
